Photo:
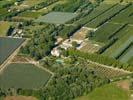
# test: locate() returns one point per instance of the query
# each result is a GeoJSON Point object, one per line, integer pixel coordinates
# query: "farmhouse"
{"type": "Point", "coordinates": [55, 52]}
{"type": "Point", "coordinates": [78, 37]}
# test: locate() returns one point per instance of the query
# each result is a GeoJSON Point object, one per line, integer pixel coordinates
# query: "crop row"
{"type": "Point", "coordinates": [106, 16]}
{"type": "Point", "coordinates": [108, 72]}
{"type": "Point", "coordinates": [105, 31]}
{"type": "Point", "coordinates": [95, 13]}
{"type": "Point", "coordinates": [124, 16]}
{"type": "Point", "coordinates": [127, 55]}
{"type": "Point", "coordinates": [121, 44]}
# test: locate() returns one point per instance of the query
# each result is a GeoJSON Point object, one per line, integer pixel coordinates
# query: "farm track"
{"type": "Point", "coordinates": [10, 58]}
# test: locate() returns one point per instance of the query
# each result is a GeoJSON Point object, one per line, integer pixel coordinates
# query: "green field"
{"type": "Point", "coordinates": [107, 92]}
{"type": "Point", "coordinates": [3, 12]}
{"type": "Point", "coordinates": [27, 4]}
{"type": "Point", "coordinates": [124, 16]}
{"type": "Point", "coordinates": [127, 55]}
{"type": "Point", "coordinates": [118, 1]}
{"type": "Point", "coordinates": [7, 47]}
{"type": "Point", "coordinates": [50, 7]}
{"type": "Point", "coordinates": [102, 8]}
{"type": "Point", "coordinates": [28, 14]}
{"type": "Point", "coordinates": [104, 32]}
{"type": "Point", "coordinates": [4, 27]}
{"type": "Point", "coordinates": [26, 76]}
{"type": "Point", "coordinates": [56, 17]}
{"type": "Point", "coordinates": [105, 16]}
{"type": "Point", "coordinates": [6, 2]}
{"type": "Point", "coordinates": [130, 61]}
{"type": "Point", "coordinates": [122, 43]}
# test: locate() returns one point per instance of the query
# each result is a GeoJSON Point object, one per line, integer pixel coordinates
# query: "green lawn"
{"type": "Point", "coordinates": [26, 76]}
{"type": "Point", "coordinates": [107, 92]}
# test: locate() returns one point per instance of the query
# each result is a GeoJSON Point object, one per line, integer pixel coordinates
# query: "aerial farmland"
{"type": "Point", "coordinates": [66, 49]}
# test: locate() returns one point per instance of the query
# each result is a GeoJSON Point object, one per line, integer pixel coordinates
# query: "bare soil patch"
{"type": "Point", "coordinates": [19, 59]}
{"type": "Point", "coordinates": [124, 84]}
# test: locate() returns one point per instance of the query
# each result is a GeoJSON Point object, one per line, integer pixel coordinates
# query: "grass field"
{"type": "Point", "coordinates": [4, 27]}
{"type": "Point", "coordinates": [28, 14]}
{"type": "Point", "coordinates": [107, 92]}
{"type": "Point", "coordinates": [26, 76]}
{"type": "Point", "coordinates": [56, 17]}
{"type": "Point", "coordinates": [7, 47]}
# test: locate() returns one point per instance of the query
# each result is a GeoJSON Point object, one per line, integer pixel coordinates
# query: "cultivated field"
{"type": "Point", "coordinates": [89, 47]}
{"type": "Point", "coordinates": [64, 49]}
{"type": "Point", "coordinates": [7, 47]}
{"type": "Point", "coordinates": [105, 16]}
{"type": "Point", "coordinates": [102, 8]}
{"type": "Point", "coordinates": [105, 32]}
{"type": "Point", "coordinates": [6, 2]}
{"type": "Point", "coordinates": [56, 17]}
{"type": "Point", "coordinates": [27, 4]}
{"type": "Point", "coordinates": [4, 27]}
{"type": "Point", "coordinates": [50, 7]}
{"type": "Point", "coordinates": [80, 34]}
{"type": "Point", "coordinates": [121, 45]}
{"type": "Point", "coordinates": [127, 55]}
{"type": "Point", "coordinates": [107, 92]}
{"type": "Point", "coordinates": [26, 76]}
{"type": "Point", "coordinates": [118, 1]}
{"type": "Point", "coordinates": [30, 15]}
{"type": "Point", "coordinates": [108, 72]}
{"type": "Point", "coordinates": [124, 16]}
{"type": "Point", "coordinates": [20, 98]}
